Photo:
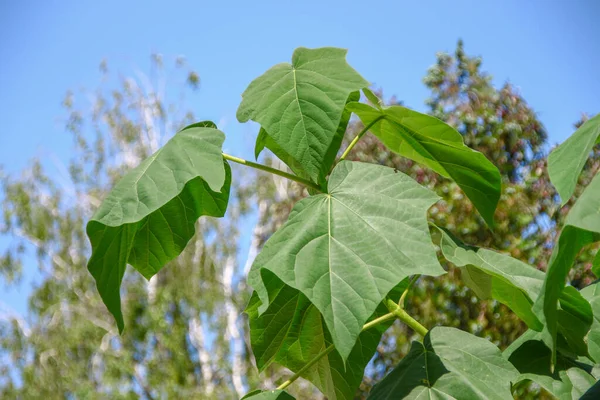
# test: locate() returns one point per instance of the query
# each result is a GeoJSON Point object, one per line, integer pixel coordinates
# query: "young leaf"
{"type": "Point", "coordinates": [582, 227]}
{"type": "Point", "coordinates": [570, 378]}
{"type": "Point", "coordinates": [437, 145]}
{"type": "Point", "coordinates": [300, 105]}
{"type": "Point", "coordinates": [292, 332]}
{"type": "Point", "coordinates": [268, 395]}
{"type": "Point", "coordinates": [449, 364]}
{"type": "Point", "coordinates": [345, 250]}
{"type": "Point", "coordinates": [149, 216]}
{"type": "Point", "coordinates": [566, 162]}
{"type": "Point", "coordinates": [494, 275]}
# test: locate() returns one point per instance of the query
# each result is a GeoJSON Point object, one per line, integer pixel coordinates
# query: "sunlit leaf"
{"type": "Point", "coordinates": [432, 142]}
{"type": "Point", "coordinates": [566, 162]}
{"type": "Point", "coordinates": [449, 364]}
{"type": "Point", "coordinates": [265, 141]}
{"type": "Point", "coordinates": [149, 216]}
{"type": "Point", "coordinates": [345, 250]}
{"type": "Point", "coordinates": [300, 105]}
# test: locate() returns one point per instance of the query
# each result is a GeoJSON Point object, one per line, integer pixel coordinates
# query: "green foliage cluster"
{"type": "Point", "coordinates": [334, 276]}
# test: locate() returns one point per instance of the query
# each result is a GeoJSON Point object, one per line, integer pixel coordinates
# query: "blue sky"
{"type": "Point", "coordinates": [549, 49]}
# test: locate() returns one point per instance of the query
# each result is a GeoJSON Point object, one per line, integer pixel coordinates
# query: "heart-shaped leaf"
{"type": "Point", "coordinates": [432, 142]}
{"type": "Point", "coordinates": [300, 105]}
{"type": "Point", "coordinates": [566, 162]}
{"type": "Point", "coordinates": [149, 216]}
{"type": "Point", "coordinates": [449, 364]}
{"type": "Point", "coordinates": [292, 333]}
{"type": "Point", "coordinates": [582, 227]}
{"type": "Point", "coordinates": [346, 249]}
{"type": "Point", "coordinates": [495, 275]}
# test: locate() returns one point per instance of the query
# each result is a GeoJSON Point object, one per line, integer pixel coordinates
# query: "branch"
{"type": "Point", "coordinates": [262, 167]}
{"type": "Point", "coordinates": [359, 136]}
{"type": "Point", "coordinates": [405, 317]}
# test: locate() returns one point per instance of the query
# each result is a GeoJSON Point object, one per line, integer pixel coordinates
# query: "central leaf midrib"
{"type": "Point", "coordinates": [295, 88]}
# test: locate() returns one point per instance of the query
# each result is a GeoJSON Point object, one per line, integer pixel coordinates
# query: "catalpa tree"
{"type": "Point", "coordinates": [336, 275]}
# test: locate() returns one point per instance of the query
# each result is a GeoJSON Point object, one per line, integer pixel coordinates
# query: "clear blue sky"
{"type": "Point", "coordinates": [549, 49]}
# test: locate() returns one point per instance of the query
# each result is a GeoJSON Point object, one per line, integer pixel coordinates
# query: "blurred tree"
{"type": "Point", "coordinates": [184, 337]}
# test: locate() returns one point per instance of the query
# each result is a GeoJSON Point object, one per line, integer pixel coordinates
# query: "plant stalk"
{"type": "Point", "coordinates": [405, 317]}
{"type": "Point", "coordinates": [275, 171]}
{"type": "Point", "coordinates": [359, 136]}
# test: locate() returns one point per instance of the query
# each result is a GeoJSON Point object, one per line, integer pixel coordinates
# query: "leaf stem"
{"type": "Point", "coordinates": [405, 317]}
{"type": "Point", "coordinates": [330, 348]}
{"type": "Point", "coordinates": [275, 171]}
{"type": "Point", "coordinates": [359, 136]}
{"type": "Point", "coordinates": [410, 284]}
{"type": "Point", "coordinates": [302, 370]}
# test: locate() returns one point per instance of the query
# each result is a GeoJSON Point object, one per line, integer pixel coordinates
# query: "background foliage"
{"type": "Point", "coordinates": [191, 343]}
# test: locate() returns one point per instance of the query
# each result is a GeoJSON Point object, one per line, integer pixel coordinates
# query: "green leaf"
{"type": "Point", "coordinates": [429, 141]}
{"type": "Point", "coordinates": [292, 333]}
{"type": "Point", "coordinates": [575, 317]}
{"type": "Point", "coordinates": [494, 275]}
{"type": "Point", "coordinates": [449, 364]}
{"type": "Point", "coordinates": [265, 141]}
{"type": "Point", "coordinates": [582, 227]}
{"type": "Point", "coordinates": [566, 162]}
{"type": "Point", "coordinates": [532, 358]}
{"type": "Point", "coordinates": [300, 105]}
{"type": "Point", "coordinates": [345, 250]}
{"type": "Point", "coordinates": [592, 294]}
{"type": "Point", "coordinates": [268, 395]}
{"type": "Point", "coordinates": [149, 216]}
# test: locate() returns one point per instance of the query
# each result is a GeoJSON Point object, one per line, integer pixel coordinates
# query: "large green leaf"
{"type": "Point", "coordinates": [449, 364]}
{"type": "Point", "coordinates": [292, 332]}
{"type": "Point", "coordinates": [437, 145]}
{"type": "Point", "coordinates": [582, 227]}
{"type": "Point", "coordinates": [346, 249]}
{"type": "Point", "coordinates": [494, 275]}
{"type": "Point", "coordinates": [566, 162]}
{"type": "Point", "coordinates": [149, 216]}
{"type": "Point", "coordinates": [300, 105]}
{"type": "Point", "coordinates": [532, 358]}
